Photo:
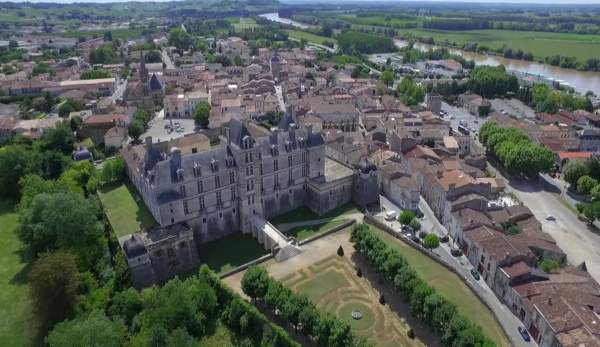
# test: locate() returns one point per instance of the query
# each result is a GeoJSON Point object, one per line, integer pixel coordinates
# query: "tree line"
{"type": "Point", "coordinates": [425, 303]}
{"type": "Point", "coordinates": [180, 313]}
{"type": "Point", "coordinates": [353, 43]}
{"type": "Point", "coordinates": [297, 310]}
{"type": "Point", "coordinates": [583, 176]}
{"type": "Point", "coordinates": [545, 99]}
{"type": "Point", "coordinates": [492, 81]}
{"type": "Point", "coordinates": [515, 151]}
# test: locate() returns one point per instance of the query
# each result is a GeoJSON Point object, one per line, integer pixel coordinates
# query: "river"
{"type": "Point", "coordinates": [582, 81]}
{"type": "Point", "coordinates": [275, 18]}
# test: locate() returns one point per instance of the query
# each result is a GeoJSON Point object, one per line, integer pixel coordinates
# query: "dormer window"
{"type": "Point", "coordinates": [247, 142]}
{"type": "Point", "coordinates": [197, 170]}
{"type": "Point", "coordinates": [179, 174]}
{"type": "Point", "coordinates": [214, 164]}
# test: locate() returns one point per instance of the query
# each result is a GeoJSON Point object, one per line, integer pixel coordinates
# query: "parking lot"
{"type": "Point", "coordinates": [162, 129]}
{"type": "Point", "coordinates": [457, 115]}
{"type": "Point", "coordinates": [512, 107]}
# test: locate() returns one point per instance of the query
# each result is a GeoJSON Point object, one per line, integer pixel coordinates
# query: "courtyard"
{"type": "Point", "coordinates": [230, 252]}
{"type": "Point", "coordinates": [125, 209]}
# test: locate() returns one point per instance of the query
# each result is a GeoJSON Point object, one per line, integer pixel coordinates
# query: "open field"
{"type": "Point", "coordinates": [17, 323]}
{"type": "Point", "coordinates": [299, 35]}
{"type": "Point", "coordinates": [333, 286]}
{"type": "Point", "coordinates": [230, 251]}
{"type": "Point", "coordinates": [540, 44]}
{"type": "Point", "coordinates": [116, 34]}
{"type": "Point", "coordinates": [450, 286]}
{"type": "Point", "coordinates": [244, 23]}
{"type": "Point", "coordinates": [124, 209]}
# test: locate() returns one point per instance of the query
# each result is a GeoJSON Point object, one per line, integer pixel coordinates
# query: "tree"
{"type": "Point", "coordinates": [180, 39]}
{"type": "Point", "coordinates": [108, 36]}
{"type": "Point", "coordinates": [387, 77]}
{"type": "Point", "coordinates": [113, 170]}
{"type": "Point", "coordinates": [415, 225]}
{"type": "Point", "coordinates": [585, 184]}
{"type": "Point", "coordinates": [410, 92]}
{"type": "Point", "coordinates": [431, 241]}
{"type": "Point", "coordinates": [94, 329]}
{"type": "Point", "coordinates": [406, 217]}
{"type": "Point", "coordinates": [103, 54]}
{"type": "Point", "coordinates": [60, 138]}
{"type": "Point", "coordinates": [490, 81]}
{"type": "Point", "coordinates": [153, 56]}
{"type": "Point", "coordinates": [595, 193]}
{"type": "Point", "coordinates": [340, 251]}
{"type": "Point", "coordinates": [94, 74]}
{"type": "Point", "coordinates": [15, 162]}
{"type": "Point", "coordinates": [65, 109]}
{"type": "Point", "coordinates": [63, 220]}
{"type": "Point", "coordinates": [135, 130]}
{"type": "Point", "coordinates": [54, 279]}
{"type": "Point", "coordinates": [573, 171]}
{"type": "Point", "coordinates": [202, 114]}
{"type": "Point", "coordinates": [255, 282]}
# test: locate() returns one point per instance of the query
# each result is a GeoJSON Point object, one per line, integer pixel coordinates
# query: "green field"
{"type": "Point", "coordinates": [230, 251]}
{"type": "Point", "coordinates": [299, 35]}
{"type": "Point", "coordinates": [116, 34]}
{"type": "Point", "coordinates": [450, 286]}
{"type": "Point", "coordinates": [540, 44]}
{"type": "Point", "coordinates": [17, 324]}
{"type": "Point", "coordinates": [244, 23]}
{"type": "Point", "coordinates": [302, 233]}
{"type": "Point", "coordinates": [125, 210]}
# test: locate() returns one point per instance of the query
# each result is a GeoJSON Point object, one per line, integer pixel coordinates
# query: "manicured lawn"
{"type": "Point", "coordinates": [541, 44]}
{"type": "Point", "coordinates": [302, 233]}
{"type": "Point", "coordinates": [450, 286]}
{"type": "Point", "coordinates": [299, 35]}
{"type": "Point", "coordinates": [125, 210]}
{"type": "Point", "coordinates": [17, 322]}
{"type": "Point", "coordinates": [230, 252]}
{"type": "Point", "coordinates": [304, 214]}
{"type": "Point", "coordinates": [323, 283]}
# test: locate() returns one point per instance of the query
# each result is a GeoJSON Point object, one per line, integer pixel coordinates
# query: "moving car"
{"type": "Point", "coordinates": [475, 274]}
{"type": "Point", "coordinates": [524, 334]}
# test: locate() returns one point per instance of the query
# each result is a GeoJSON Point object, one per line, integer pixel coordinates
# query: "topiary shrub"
{"type": "Point", "coordinates": [359, 273]}
{"type": "Point", "coordinates": [382, 299]}
{"type": "Point", "coordinates": [340, 251]}
{"type": "Point", "coordinates": [410, 333]}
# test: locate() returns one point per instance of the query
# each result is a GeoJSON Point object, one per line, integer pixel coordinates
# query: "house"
{"type": "Point", "coordinates": [183, 105]}
{"type": "Point", "coordinates": [96, 126]}
{"type": "Point", "coordinates": [337, 116]}
{"type": "Point", "coordinates": [562, 158]}
{"type": "Point", "coordinates": [474, 103]}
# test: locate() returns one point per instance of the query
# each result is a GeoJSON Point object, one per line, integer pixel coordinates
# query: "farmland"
{"type": "Point", "coordinates": [299, 35]}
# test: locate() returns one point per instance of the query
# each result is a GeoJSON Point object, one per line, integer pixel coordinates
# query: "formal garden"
{"type": "Point", "coordinates": [333, 285]}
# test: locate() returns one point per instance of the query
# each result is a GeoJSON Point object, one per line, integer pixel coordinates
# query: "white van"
{"type": "Point", "coordinates": [390, 215]}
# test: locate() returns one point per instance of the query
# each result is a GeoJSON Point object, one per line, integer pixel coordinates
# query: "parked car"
{"type": "Point", "coordinates": [551, 218]}
{"type": "Point", "coordinates": [524, 334]}
{"type": "Point", "coordinates": [391, 215]}
{"type": "Point", "coordinates": [475, 274]}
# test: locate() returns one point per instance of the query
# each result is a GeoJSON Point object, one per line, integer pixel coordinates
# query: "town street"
{"type": "Point", "coordinates": [429, 223]}
{"type": "Point", "coordinates": [167, 59]}
{"type": "Point", "coordinates": [572, 235]}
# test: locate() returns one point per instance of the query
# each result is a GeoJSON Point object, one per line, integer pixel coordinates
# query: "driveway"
{"type": "Point", "coordinates": [429, 223]}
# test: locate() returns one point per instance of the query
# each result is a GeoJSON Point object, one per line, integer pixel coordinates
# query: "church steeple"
{"type": "Point", "coordinates": [143, 70]}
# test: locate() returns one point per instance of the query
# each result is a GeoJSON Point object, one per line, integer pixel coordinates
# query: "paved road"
{"type": "Point", "coordinates": [329, 49]}
{"type": "Point", "coordinates": [167, 59]}
{"type": "Point", "coordinates": [509, 322]}
{"type": "Point", "coordinates": [279, 93]}
{"type": "Point", "coordinates": [572, 235]}
{"type": "Point", "coordinates": [118, 94]}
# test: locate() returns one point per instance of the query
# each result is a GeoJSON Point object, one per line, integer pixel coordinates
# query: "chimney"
{"type": "Point", "coordinates": [175, 158]}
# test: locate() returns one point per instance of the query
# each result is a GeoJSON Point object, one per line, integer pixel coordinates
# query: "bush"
{"type": "Point", "coordinates": [406, 217]}
{"type": "Point", "coordinates": [410, 333]}
{"type": "Point", "coordinates": [382, 299]}
{"type": "Point", "coordinates": [431, 241]}
{"type": "Point", "coordinates": [359, 272]}
{"type": "Point", "coordinates": [423, 234]}
{"type": "Point", "coordinates": [340, 251]}
{"type": "Point", "coordinates": [415, 225]}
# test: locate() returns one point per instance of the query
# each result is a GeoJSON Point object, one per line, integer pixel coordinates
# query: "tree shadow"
{"type": "Point", "coordinates": [396, 303]}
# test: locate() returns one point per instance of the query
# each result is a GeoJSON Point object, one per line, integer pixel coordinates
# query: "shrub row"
{"type": "Point", "coordinates": [427, 305]}
{"type": "Point", "coordinates": [323, 328]}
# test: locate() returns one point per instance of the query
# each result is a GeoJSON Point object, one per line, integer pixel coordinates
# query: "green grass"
{"type": "Point", "coordinates": [17, 322]}
{"type": "Point", "coordinates": [299, 35]}
{"type": "Point", "coordinates": [304, 214]}
{"type": "Point", "coordinates": [323, 283]}
{"type": "Point", "coordinates": [540, 44]}
{"type": "Point", "coordinates": [125, 210]}
{"type": "Point", "coordinates": [245, 23]}
{"type": "Point", "coordinates": [450, 286]}
{"type": "Point", "coordinates": [302, 233]}
{"type": "Point", "coordinates": [367, 320]}
{"type": "Point", "coordinates": [230, 251]}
